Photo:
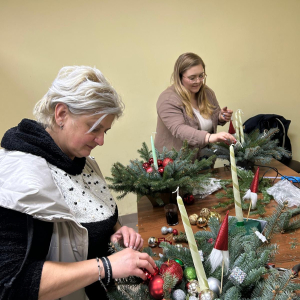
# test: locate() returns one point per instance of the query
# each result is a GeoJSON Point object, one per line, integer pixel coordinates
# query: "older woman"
{"type": "Point", "coordinates": [189, 110]}
{"type": "Point", "coordinates": [57, 216]}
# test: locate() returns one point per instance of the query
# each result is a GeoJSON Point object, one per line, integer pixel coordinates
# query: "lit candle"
{"type": "Point", "coordinates": [154, 154]}
{"type": "Point", "coordinates": [236, 189]}
{"type": "Point", "coordinates": [237, 126]}
{"type": "Point", "coordinates": [202, 280]}
{"type": "Point", "coordinates": [241, 126]}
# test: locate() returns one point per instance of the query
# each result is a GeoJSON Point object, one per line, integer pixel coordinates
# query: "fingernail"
{"type": "Point", "coordinates": [131, 247]}
{"type": "Point", "coordinates": [126, 244]}
{"type": "Point", "coordinates": [134, 248]}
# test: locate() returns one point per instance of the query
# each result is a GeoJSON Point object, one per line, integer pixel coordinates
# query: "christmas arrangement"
{"type": "Point", "coordinates": [248, 272]}
{"type": "Point", "coordinates": [158, 172]}
{"type": "Point", "coordinates": [255, 147]}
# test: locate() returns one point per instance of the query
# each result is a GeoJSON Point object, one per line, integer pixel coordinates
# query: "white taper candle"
{"type": "Point", "coordinates": [236, 189]}
{"type": "Point", "coordinates": [201, 276]}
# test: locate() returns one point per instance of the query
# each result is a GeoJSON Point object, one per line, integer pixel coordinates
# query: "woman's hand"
{"type": "Point", "coordinates": [225, 114]}
{"type": "Point", "coordinates": [130, 262]}
{"type": "Point", "coordinates": [224, 137]}
{"type": "Point", "coordinates": [128, 237]}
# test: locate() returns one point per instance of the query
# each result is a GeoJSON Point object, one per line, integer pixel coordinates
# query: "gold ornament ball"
{"type": "Point", "coordinates": [214, 214]}
{"type": "Point", "coordinates": [207, 295]}
{"type": "Point", "coordinates": [193, 219]}
{"type": "Point", "coordinates": [204, 212]}
{"type": "Point", "coordinates": [152, 241]}
{"type": "Point", "coordinates": [201, 222]}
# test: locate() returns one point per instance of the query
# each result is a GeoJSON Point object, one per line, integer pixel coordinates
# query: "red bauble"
{"type": "Point", "coordinates": [159, 162]}
{"type": "Point", "coordinates": [146, 165]}
{"type": "Point", "coordinates": [161, 170]}
{"type": "Point", "coordinates": [175, 232]}
{"type": "Point", "coordinates": [150, 161]}
{"type": "Point", "coordinates": [149, 170]}
{"type": "Point", "coordinates": [166, 161]}
{"type": "Point", "coordinates": [188, 199]}
{"type": "Point", "coordinates": [156, 289]}
{"type": "Point", "coordinates": [172, 267]}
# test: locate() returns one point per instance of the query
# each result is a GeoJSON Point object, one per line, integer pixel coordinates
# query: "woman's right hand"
{"type": "Point", "coordinates": [224, 137]}
{"type": "Point", "coordinates": [129, 262]}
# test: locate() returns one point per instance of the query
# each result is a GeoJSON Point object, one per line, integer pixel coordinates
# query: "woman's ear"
{"type": "Point", "coordinates": [61, 114]}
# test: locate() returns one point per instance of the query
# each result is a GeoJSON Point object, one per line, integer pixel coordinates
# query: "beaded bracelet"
{"type": "Point", "coordinates": [99, 268]}
{"type": "Point", "coordinates": [107, 269]}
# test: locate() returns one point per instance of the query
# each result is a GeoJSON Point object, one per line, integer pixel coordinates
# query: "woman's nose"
{"type": "Point", "coordinates": [100, 140]}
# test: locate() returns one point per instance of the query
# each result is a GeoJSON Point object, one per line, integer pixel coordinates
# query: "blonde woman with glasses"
{"type": "Point", "coordinates": [189, 110]}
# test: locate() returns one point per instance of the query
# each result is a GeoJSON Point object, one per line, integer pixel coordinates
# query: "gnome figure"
{"type": "Point", "coordinates": [252, 192]}
{"type": "Point", "coordinates": [220, 251]}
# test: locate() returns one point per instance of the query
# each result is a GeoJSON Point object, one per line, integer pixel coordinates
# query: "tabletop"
{"type": "Point", "coordinates": [151, 219]}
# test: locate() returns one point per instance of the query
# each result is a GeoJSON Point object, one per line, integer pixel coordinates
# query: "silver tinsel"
{"type": "Point", "coordinates": [178, 295]}
{"type": "Point", "coordinates": [214, 285]}
{"type": "Point", "coordinates": [164, 230]}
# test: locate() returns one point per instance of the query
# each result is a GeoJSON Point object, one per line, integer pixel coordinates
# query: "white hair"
{"type": "Point", "coordinates": [84, 90]}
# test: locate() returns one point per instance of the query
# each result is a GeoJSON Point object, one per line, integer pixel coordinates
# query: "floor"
{"type": "Point", "coordinates": [130, 221]}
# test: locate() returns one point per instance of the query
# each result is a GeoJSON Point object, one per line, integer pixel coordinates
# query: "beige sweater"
{"type": "Point", "coordinates": [174, 125]}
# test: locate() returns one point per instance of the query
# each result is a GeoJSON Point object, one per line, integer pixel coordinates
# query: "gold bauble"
{"type": "Point", "coordinates": [193, 219]}
{"type": "Point", "coordinates": [204, 212]}
{"type": "Point", "coordinates": [201, 222]}
{"type": "Point", "coordinates": [214, 214]}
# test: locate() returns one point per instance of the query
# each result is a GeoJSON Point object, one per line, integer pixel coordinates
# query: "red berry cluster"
{"type": "Point", "coordinates": [161, 165]}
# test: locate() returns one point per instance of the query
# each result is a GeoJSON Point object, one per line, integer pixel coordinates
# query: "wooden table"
{"type": "Point", "coordinates": [151, 219]}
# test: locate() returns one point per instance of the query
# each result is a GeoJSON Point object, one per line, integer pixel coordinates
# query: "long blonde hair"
{"type": "Point", "coordinates": [183, 63]}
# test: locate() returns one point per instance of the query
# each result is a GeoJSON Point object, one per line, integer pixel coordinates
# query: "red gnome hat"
{"type": "Point", "coordinates": [231, 129]}
{"type": "Point", "coordinates": [252, 192]}
{"type": "Point", "coordinates": [220, 250]}
{"type": "Point", "coordinates": [222, 238]}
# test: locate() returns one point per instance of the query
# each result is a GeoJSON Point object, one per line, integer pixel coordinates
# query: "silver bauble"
{"type": "Point", "coordinates": [207, 295]}
{"type": "Point", "coordinates": [170, 229]}
{"type": "Point", "coordinates": [164, 230]}
{"type": "Point", "coordinates": [178, 294]}
{"type": "Point", "coordinates": [193, 298]}
{"type": "Point", "coordinates": [193, 288]}
{"type": "Point", "coordinates": [214, 285]}
{"type": "Point", "coordinates": [152, 241]}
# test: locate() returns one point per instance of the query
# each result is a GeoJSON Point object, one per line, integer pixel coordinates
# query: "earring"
{"type": "Point", "coordinates": [61, 126]}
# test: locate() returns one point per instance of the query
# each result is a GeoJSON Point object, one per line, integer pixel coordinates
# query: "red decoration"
{"type": "Point", "coordinates": [231, 129]}
{"type": "Point", "coordinates": [149, 275]}
{"type": "Point", "coordinates": [146, 165]}
{"type": "Point", "coordinates": [254, 184]}
{"type": "Point", "coordinates": [161, 170]}
{"type": "Point", "coordinates": [156, 285]}
{"type": "Point", "coordinates": [188, 199]}
{"type": "Point", "coordinates": [159, 240]}
{"type": "Point", "coordinates": [222, 238]}
{"type": "Point", "coordinates": [149, 170]}
{"type": "Point", "coordinates": [159, 162]}
{"type": "Point", "coordinates": [150, 161]}
{"type": "Point", "coordinates": [172, 267]}
{"type": "Point", "coordinates": [166, 161]}
{"type": "Point", "coordinates": [211, 240]}
{"type": "Point", "coordinates": [175, 232]}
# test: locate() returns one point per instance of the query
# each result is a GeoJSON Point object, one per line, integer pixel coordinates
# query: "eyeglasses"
{"type": "Point", "coordinates": [194, 79]}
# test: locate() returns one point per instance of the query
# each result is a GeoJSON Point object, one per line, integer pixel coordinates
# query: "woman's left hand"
{"type": "Point", "coordinates": [225, 114]}
{"type": "Point", "coordinates": [128, 237]}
